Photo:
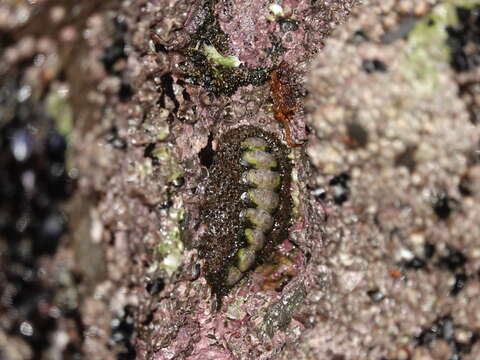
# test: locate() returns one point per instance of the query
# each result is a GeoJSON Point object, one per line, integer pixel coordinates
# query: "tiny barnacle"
{"type": "Point", "coordinates": [247, 205]}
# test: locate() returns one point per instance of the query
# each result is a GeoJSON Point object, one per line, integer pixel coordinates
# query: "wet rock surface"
{"type": "Point", "coordinates": [113, 119]}
{"type": "Point", "coordinates": [399, 229]}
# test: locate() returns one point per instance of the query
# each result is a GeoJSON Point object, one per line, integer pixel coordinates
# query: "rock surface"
{"type": "Point", "coordinates": [111, 117]}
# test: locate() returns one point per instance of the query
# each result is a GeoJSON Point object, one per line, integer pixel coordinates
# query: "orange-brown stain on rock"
{"type": "Point", "coordinates": [283, 93]}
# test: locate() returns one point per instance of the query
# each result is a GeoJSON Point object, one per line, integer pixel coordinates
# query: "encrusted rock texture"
{"type": "Point", "coordinates": [111, 118]}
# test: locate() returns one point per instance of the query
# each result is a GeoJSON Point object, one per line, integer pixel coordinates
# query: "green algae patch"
{"type": "Point", "coordinates": [427, 51]}
{"type": "Point", "coordinates": [213, 55]}
{"type": "Point", "coordinates": [276, 9]}
{"type": "Point", "coordinates": [171, 250]}
{"type": "Point", "coordinates": [60, 110]}
{"type": "Point", "coordinates": [277, 12]}
{"type": "Point", "coordinates": [168, 165]}
{"type": "Point", "coordinates": [295, 193]}
{"type": "Point", "coordinates": [160, 130]}
{"type": "Point", "coordinates": [466, 3]}
{"type": "Point", "coordinates": [207, 67]}
{"type": "Point", "coordinates": [170, 247]}
{"type": "Point", "coordinates": [219, 75]}
{"type": "Point", "coordinates": [235, 310]}
{"type": "Point", "coordinates": [427, 48]}
{"type": "Point", "coordinates": [143, 169]}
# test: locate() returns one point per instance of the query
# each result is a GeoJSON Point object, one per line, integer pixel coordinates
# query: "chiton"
{"type": "Point", "coordinates": [247, 205]}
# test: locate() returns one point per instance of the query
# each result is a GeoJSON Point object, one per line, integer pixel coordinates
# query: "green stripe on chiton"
{"type": "Point", "coordinates": [264, 199]}
{"type": "Point", "coordinates": [254, 143]}
{"type": "Point", "coordinates": [262, 178]}
{"type": "Point", "coordinates": [247, 205]}
{"type": "Point", "coordinates": [259, 159]}
{"type": "Point", "coordinates": [255, 238]}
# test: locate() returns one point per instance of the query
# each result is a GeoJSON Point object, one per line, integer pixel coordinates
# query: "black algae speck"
{"type": "Point", "coordinates": [443, 206]}
{"type": "Point", "coordinates": [416, 263]}
{"type": "Point", "coordinates": [460, 280]}
{"type": "Point", "coordinates": [464, 40]}
{"type": "Point", "coordinates": [155, 286]}
{"type": "Point", "coordinates": [116, 51]}
{"type": "Point", "coordinates": [453, 261]}
{"type": "Point", "coordinates": [178, 182]}
{"type": "Point", "coordinates": [375, 65]}
{"type": "Point", "coordinates": [358, 134]}
{"type": "Point", "coordinates": [444, 328]}
{"type": "Point", "coordinates": [206, 154]}
{"type": "Point", "coordinates": [339, 185]}
{"type": "Point", "coordinates": [429, 250]}
{"type": "Point", "coordinates": [122, 330]}
{"type": "Point", "coordinates": [376, 295]}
